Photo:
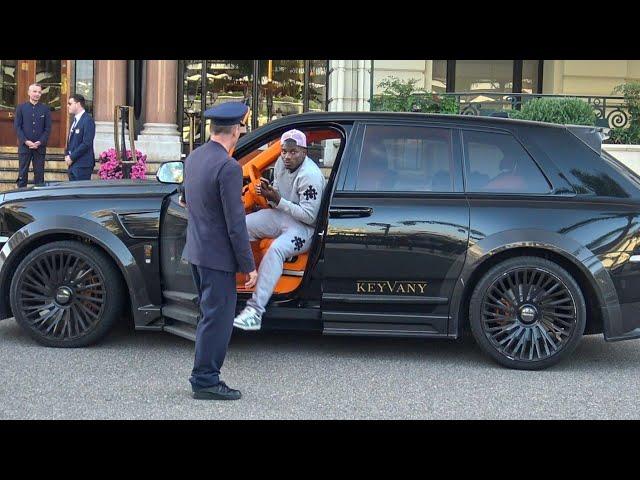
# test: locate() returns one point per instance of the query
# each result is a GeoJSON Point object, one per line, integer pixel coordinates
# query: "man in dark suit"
{"type": "Point", "coordinates": [79, 152]}
{"type": "Point", "coordinates": [217, 244]}
{"type": "Point", "coordinates": [33, 126]}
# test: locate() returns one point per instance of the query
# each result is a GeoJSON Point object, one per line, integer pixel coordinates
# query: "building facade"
{"type": "Point", "coordinates": [169, 96]}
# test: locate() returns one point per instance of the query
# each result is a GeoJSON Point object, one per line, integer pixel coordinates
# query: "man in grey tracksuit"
{"type": "Point", "coordinates": [295, 198]}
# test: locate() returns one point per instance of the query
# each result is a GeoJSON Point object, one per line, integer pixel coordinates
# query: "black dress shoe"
{"type": "Point", "coordinates": [217, 392]}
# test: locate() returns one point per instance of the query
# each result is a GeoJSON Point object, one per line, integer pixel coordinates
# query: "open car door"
{"type": "Point", "coordinates": [324, 145]}
{"type": "Point", "coordinates": [179, 292]}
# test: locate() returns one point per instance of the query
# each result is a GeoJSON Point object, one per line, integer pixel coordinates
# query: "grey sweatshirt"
{"type": "Point", "coordinates": [301, 191]}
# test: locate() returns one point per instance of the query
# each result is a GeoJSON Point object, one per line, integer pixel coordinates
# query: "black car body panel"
{"type": "Point", "coordinates": [400, 263]}
{"type": "Point", "coordinates": [123, 219]}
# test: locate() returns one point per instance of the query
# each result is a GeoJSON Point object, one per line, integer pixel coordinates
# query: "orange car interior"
{"type": "Point", "coordinates": [252, 167]}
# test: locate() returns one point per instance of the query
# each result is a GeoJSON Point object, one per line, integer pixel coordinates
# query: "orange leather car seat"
{"type": "Point", "coordinates": [287, 283]}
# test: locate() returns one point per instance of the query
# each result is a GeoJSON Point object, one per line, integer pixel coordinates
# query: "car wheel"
{"type": "Point", "coordinates": [67, 294]}
{"type": "Point", "coordinates": [527, 313]}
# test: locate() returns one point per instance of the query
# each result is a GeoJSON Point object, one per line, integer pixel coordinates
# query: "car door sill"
{"type": "Point", "coordinates": [387, 323]}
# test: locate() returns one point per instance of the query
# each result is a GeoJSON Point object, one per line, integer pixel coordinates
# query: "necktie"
{"type": "Point", "coordinates": [75, 120]}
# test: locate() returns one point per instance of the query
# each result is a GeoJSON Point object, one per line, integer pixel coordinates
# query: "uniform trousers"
{"type": "Point", "coordinates": [217, 293]}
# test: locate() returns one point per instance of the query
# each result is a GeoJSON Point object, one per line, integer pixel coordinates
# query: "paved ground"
{"type": "Point", "coordinates": [143, 375]}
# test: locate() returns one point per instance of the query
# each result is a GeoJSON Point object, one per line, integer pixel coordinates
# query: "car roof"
{"type": "Point", "coordinates": [413, 116]}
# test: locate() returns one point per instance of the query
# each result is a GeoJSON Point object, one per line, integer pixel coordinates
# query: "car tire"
{"type": "Point", "coordinates": [67, 294]}
{"type": "Point", "coordinates": [527, 313]}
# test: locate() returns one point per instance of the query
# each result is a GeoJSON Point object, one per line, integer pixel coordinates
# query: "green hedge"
{"type": "Point", "coordinates": [569, 111]}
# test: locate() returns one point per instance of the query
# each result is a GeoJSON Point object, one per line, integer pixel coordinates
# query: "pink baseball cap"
{"type": "Point", "coordinates": [295, 135]}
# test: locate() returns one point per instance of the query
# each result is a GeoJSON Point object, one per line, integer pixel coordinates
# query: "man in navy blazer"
{"type": "Point", "coordinates": [79, 152]}
{"type": "Point", "coordinates": [217, 245]}
{"type": "Point", "coordinates": [33, 126]}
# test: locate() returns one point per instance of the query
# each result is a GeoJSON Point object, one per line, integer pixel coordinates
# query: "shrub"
{"type": "Point", "coordinates": [571, 111]}
{"type": "Point", "coordinates": [631, 134]}
{"type": "Point", "coordinates": [402, 96]}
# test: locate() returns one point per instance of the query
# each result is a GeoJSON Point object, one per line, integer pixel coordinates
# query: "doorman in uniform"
{"type": "Point", "coordinates": [33, 126]}
{"type": "Point", "coordinates": [217, 244]}
{"type": "Point", "coordinates": [79, 157]}
{"type": "Point", "coordinates": [296, 195]}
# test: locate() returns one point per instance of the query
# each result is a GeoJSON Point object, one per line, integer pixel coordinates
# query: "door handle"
{"type": "Point", "coordinates": [350, 212]}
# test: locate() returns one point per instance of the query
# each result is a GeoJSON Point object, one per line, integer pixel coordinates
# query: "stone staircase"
{"type": "Point", "coordinates": [55, 170]}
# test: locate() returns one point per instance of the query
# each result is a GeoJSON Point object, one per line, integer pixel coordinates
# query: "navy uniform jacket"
{"type": "Point", "coordinates": [32, 122]}
{"type": "Point", "coordinates": [217, 235]}
{"type": "Point", "coordinates": [80, 142]}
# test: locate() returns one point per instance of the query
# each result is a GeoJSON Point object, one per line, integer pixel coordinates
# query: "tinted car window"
{"type": "Point", "coordinates": [581, 166]}
{"type": "Point", "coordinates": [405, 159]}
{"type": "Point", "coordinates": [497, 163]}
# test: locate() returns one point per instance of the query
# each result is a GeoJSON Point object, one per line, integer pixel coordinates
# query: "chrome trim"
{"type": "Point", "coordinates": [293, 273]}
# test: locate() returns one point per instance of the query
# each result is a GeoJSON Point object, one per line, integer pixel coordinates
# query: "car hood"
{"type": "Point", "coordinates": [91, 188]}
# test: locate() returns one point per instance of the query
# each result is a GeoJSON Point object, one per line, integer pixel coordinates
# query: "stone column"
{"type": "Point", "coordinates": [428, 75]}
{"type": "Point", "coordinates": [349, 90]}
{"type": "Point", "coordinates": [160, 139]}
{"type": "Point", "coordinates": [349, 85]}
{"type": "Point", "coordinates": [110, 90]}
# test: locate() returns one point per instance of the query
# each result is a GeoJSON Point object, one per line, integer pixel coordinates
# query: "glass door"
{"type": "Point", "coordinates": [8, 99]}
{"type": "Point", "coordinates": [206, 83]}
{"type": "Point", "coordinates": [52, 75]}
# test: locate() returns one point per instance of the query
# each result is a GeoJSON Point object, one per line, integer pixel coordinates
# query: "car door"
{"type": "Point", "coordinates": [180, 296]}
{"type": "Point", "coordinates": [179, 291]}
{"type": "Point", "coordinates": [397, 232]}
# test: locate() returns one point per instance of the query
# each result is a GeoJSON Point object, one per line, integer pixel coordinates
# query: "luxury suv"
{"type": "Point", "coordinates": [525, 233]}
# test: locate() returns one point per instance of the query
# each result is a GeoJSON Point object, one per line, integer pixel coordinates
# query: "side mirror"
{"type": "Point", "coordinates": [170, 172]}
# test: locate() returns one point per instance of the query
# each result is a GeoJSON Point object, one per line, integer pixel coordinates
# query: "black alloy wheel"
{"type": "Point", "coordinates": [66, 294]}
{"type": "Point", "coordinates": [527, 313]}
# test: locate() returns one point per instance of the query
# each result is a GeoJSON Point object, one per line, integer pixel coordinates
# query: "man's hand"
{"type": "Point", "coordinates": [259, 185]}
{"type": "Point", "coordinates": [268, 192]}
{"type": "Point", "coordinates": [67, 160]}
{"type": "Point", "coordinates": [181, 202]}
{"type": "Point", "coordinates": [253, 278]}
{"type": "Point", "coordinates": [30, 144]}
{"type": "Point", "coordinates": [37, 144]}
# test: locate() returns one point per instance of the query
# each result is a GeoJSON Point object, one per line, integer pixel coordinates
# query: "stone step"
{"type": "Point", "coordinates": [48, 176]}
{"type": "Point", "coordinates": [14, 156]}
{"type": "Point", "coordinates": [10, 183]}
{"type": "Point", "coordinates": [48, 164]}
{"type": "Point", "coordinates": [61, 166]}
{"type": "Point", "coordinates": [55, 170]}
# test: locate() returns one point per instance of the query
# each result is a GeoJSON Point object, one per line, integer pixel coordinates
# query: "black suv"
{"type": "Point", "coordinates": [526, 233]}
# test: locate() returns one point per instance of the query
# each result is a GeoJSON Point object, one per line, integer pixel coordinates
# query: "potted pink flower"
{"type": "Point", "coordinates": [111, 168]}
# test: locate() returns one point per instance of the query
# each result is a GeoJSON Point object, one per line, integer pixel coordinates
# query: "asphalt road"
{"type": "Point", "coordinates": [143, 375]}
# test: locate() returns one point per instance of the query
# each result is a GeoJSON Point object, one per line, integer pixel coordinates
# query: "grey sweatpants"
{"type": "Point", "coordinates": [291, 238]}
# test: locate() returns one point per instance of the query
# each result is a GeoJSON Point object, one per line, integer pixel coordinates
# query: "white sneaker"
{"type": "Point", "coordinates": [248, 319]}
